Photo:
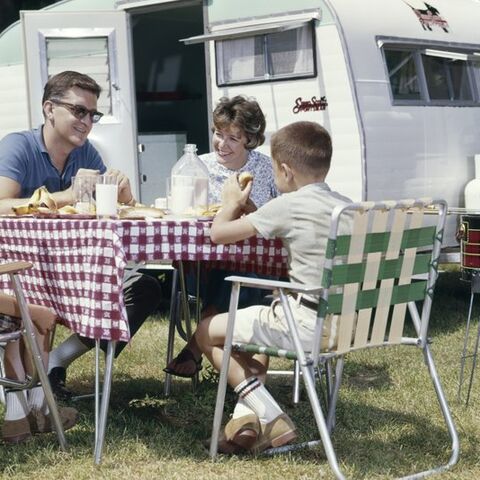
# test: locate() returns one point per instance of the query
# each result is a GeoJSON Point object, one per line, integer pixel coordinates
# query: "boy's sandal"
{"type": "Point", "coordinates": [184, 356]}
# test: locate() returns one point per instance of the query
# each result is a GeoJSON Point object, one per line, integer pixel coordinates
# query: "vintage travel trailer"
{"type": "Point", "coordinates": [396, 82]}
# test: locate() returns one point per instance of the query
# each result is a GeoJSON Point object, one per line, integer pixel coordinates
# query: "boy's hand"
{"type": "Point", "coordinates": [233, 197]}
{"type": "Point", "coordinates": [229, 225]}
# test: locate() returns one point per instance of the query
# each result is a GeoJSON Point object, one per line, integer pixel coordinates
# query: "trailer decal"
{"type": "Point", "coordinates": [310, 105]}
{"type": "Point", "coordinates": [429, 17]}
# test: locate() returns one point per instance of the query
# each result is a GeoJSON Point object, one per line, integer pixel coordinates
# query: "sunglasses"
{"type": "Point", "coordinates": [79, 111]}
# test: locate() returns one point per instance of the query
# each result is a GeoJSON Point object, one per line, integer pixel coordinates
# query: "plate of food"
{"type": "Point", "coordinates": [139, 212]}
{"type": "Point", "coordinates": [208, 213]}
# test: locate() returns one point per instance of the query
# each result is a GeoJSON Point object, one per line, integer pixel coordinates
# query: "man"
{"type": "Point", "coordinates": [50, 155]}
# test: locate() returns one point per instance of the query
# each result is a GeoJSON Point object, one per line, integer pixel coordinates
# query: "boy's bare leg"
{"type": "Point", "coordinates": [210, 338]}
{"type": "Point", "coordinates": [246, 374]}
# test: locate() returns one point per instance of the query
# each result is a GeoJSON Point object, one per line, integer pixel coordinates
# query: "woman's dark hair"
{"type": "Point", "coordinates": [244, 113]}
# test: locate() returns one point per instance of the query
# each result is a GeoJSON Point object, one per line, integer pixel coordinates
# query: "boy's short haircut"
{"type": "Point", "coordinates": [304, 146]}
{"type": "Point", "coordinates": [243, 113]}
{"type": "Point", "coordinates": [58, 85]}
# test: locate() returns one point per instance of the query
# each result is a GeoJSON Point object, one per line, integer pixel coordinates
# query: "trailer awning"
{"type": "Point", "coordinates": [243, 29]}
{"type": "Point", "coordinates": [475, 56]}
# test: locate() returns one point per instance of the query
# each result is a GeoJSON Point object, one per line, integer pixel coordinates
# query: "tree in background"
{"type": "Point", "coordinates": [9, 9]}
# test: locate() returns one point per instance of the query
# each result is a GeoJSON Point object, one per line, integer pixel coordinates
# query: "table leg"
{"type": "Point", "coordinates": [102, 416]}
{"type": "Point", "coordinates": [97, 388]}
{"type": "Point", "coordinates": [171, 331]}
{"type": "Point", "coordinates": [185, 304]}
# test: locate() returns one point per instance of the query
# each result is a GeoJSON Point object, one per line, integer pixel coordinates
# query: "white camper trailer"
{"type": "Point", "coordinates": [396, 82]}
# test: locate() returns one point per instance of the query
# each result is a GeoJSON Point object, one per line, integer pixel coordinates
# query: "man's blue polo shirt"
{"type": "Point", "coordinates": [24, 158]}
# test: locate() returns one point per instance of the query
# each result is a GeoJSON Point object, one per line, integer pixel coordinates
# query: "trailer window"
{"type": "Point", "coordinates": [266, 57]}
{"type": "Point", "coordinates": [447, 79]}
{"type": "Point", "coordinates": [403, 75]}
{"type": "Point", "coordinates": [88, 55]}
{"type": "Point", "coordinates": [425, 76]}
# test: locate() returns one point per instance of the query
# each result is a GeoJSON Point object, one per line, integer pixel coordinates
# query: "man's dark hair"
{"type": "Point", "coordinates": [58, 85]}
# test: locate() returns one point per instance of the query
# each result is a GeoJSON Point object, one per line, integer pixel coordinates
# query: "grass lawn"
{"type": "Point", "coordinates": [388, 423]}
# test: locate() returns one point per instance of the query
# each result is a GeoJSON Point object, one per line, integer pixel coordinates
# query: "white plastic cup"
{"type": "Point", "coordinates": [83, 187]}
{"type": "Point", "coordinates": [106, 193]}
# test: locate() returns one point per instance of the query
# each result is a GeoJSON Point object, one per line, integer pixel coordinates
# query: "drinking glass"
{"type": "Point", "coordinates": [106, 193]}
{"type": "Point", "coordinates": [83, 188]}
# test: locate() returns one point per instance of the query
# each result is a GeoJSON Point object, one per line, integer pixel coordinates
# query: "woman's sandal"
{"type": "Point", "coordinates": [184, 356]}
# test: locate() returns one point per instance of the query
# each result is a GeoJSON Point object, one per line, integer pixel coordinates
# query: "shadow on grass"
{"type": "Point", "coordinates": [450, 304]}
{"type": "Point", "coordinates": [370, 440]}
{"type": "Point", "coordinates": [378, 441]}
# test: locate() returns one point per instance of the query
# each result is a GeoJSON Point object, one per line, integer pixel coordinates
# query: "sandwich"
{"type": "Point", "coordinates": [244, 178]}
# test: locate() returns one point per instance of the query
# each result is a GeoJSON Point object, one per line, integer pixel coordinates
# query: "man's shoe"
{"type": "Point", "coordinates": [277, 433]}
{"type": "Point", "coordinates": [243, 431]}
{"type": "Point", "coordinates": [57, 377]}
{"type": "Point", "coordinates": [41, 423]}
{"type": "Point", "coordinates": [16, 431]}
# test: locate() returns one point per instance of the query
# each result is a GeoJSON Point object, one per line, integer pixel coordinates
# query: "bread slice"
{"type": "Point", "coordinates": [244, 178]}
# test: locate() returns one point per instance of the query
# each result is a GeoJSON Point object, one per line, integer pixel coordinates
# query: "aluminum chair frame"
{"type": "Point", "coordinates": [27, 332]}
{"type": "Point", "coordinates": [389, 245]}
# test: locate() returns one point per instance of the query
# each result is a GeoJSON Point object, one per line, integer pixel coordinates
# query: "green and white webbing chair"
{"type": "Point", "coordinates": [27, 333]}
{"type": "Point", "coordinates": [371, 277]}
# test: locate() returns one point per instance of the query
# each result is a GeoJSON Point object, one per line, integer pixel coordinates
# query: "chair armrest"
{"type": "Point", "coordinates": [275, 284]}
{"type": "Point", "coordinates": [13, 267]}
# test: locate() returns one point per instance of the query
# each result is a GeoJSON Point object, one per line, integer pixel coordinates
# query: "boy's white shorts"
{"type": "Point", "coordinates": [267, 325]}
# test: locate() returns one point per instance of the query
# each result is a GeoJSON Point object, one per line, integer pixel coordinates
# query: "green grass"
{"type": "Point", "coordinates": [388, 422]}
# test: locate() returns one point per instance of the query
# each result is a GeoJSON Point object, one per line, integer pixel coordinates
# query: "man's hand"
{"type": "Point", "coordinates": [125, 194]}
{"type": "Point", "coordinates": [67, 197]}
{"type": "Point", "coordinates": [82, 172]}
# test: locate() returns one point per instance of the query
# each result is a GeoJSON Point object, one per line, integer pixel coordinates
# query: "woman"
{"type": "Point", "coordinates": [238, 128]}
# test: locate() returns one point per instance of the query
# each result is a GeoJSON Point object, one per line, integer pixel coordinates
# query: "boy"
{"type": "Point", "coordinates": [301, 154]}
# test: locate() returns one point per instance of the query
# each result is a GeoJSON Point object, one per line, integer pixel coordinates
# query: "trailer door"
{"type": "Point", "coordinates": [97, 44]}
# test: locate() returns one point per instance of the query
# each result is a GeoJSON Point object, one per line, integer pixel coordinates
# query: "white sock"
{"type": "Point", "coordinates": [257, 397]}
{"type": "Point", "coordinates": [16, 405]}
{"type": "Point", "coordinates": [36, 400]}
{"type": "Point", "coordinates": [241, 409]}
{"type": "Point", "coordinates": [67, 352]}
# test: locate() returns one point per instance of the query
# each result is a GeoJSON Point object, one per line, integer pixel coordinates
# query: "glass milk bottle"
{"type": "Point", "coordinates": [472, 189]}
{"type": "Point", "coordinates": [189, 183]}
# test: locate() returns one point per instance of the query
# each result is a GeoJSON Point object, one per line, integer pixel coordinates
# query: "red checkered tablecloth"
{"type": "Point", "coordinates": [79, 264]}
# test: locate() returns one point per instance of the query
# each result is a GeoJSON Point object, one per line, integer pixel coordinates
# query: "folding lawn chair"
{"type": "Point", "coordinates": [27, 333]}
{"type": "Point", "coordinates": [387, 263]}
